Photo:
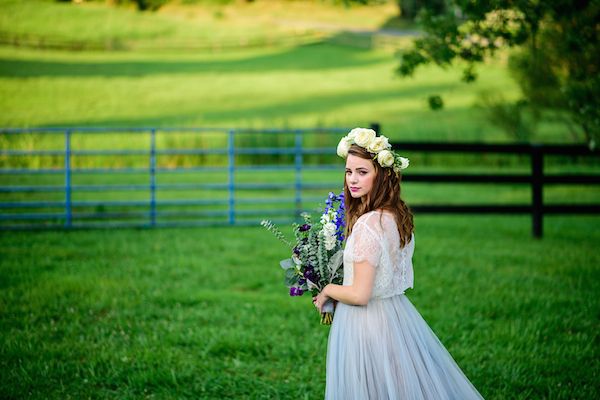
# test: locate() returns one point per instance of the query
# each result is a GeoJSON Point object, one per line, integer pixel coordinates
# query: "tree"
{"type": "Point", "coordinates": [556, 43]}
{"type": "Point", "coordinates": [409, 9]}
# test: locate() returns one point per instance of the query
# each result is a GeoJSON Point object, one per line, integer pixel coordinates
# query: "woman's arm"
{"type": "Point", "coordinates": [358, 293]}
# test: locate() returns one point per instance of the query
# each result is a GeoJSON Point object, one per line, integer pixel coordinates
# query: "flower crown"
{"type": "Point", "coordinates": [378, 145]}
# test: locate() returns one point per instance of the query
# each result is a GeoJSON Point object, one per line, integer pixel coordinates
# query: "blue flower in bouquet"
{"type": "Point", "coordinates": [340, 221]}
{"type": "Point", "coordinates": [333, 219]}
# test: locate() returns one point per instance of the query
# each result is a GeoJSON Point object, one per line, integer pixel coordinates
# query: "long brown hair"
{"type": "Point", "coordinates": [385, 195]}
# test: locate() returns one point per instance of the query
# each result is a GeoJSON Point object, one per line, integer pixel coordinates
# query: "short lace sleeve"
{"type": "Point", "coordinates": [367, 243]}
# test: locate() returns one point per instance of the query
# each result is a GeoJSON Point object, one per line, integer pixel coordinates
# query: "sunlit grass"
{"type": "Point", "coordinates": [203, 313]}
{"type": "Point", "coordinates": [319, 85]}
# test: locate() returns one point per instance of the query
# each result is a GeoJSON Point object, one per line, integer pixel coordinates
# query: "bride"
{"type": "Point", "coordinates": [379, 345]}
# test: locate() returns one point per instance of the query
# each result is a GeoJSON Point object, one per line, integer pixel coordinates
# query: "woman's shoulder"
{"type": "Point", "coordinates": [379, 213]}
{"type": "Point", "coordinates": [376, 220]}
{"type": "Point", "coordinates": [366, 217]}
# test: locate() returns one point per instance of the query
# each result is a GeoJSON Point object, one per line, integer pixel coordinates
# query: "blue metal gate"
{"type": "Point", "coordinates": [16, 212]}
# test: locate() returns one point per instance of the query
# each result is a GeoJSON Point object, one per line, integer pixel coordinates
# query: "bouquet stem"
{"type": "Point", "coordinates": [327, 313]}
{"type": "Point", "coordinates": [326, 318]}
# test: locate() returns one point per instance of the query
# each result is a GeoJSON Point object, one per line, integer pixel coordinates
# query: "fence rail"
{"type": "Point", "coordinates": [70, 213]}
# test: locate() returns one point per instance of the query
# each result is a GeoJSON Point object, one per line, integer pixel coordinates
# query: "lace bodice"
{"type": "Point", "coordinates": [375, 239]}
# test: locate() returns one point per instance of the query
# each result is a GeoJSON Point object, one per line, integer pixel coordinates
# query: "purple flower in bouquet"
{"type": "Point", "coordinates": [304, 228]}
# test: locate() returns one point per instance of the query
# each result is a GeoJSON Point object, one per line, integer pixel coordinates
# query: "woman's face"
{"type": "Point", "coordinates": [360, 175]}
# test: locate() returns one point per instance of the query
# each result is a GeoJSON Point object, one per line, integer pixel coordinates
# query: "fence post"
{"type": "Point", "coordinates": [376, 126]}
{"type": "Point", "coordinates": [153, 177]}
{"type": "Point", "coordinates": [231, 177]}
{"type": "Point", "coordinates": [298, 164]}
{"type": "Point", "coordinates": [537, 185]}
{"type": "Point", "coordinates": [68, 206]}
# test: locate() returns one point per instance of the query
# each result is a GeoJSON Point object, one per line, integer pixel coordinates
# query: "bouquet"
{"type": "Point", "coordinates": [317, 254]}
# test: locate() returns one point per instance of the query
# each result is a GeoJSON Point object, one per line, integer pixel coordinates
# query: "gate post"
{"type": "Point", "coordinates": [537, 185]}
{"type": "Point", "coordinates": [153, 177]}
{"type": "Point", "coordinates": [231, 176]}
{"type": "Point", "coordinates": [68, 206]}
{"type": "Point", "coordinates": [298, 167]}
{"type": "Point", "coordinates": [376, 126]}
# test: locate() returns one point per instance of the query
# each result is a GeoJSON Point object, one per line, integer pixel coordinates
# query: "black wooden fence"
{"type": "Point", "coordinates": [536, 178]}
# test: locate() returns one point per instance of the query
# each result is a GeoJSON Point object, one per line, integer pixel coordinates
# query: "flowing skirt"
{"type": "Point", "coordinates": [386, 350]}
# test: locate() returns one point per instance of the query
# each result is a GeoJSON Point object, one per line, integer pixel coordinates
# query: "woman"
{"type": "Point", "coordinates": [379, 345]}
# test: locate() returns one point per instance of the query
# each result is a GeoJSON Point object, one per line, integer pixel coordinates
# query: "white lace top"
{"type": "Point", "coordinates": [375, 239]}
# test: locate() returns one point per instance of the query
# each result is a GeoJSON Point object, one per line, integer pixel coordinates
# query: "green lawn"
{"type": "Point", "coordinates": [203, 313]}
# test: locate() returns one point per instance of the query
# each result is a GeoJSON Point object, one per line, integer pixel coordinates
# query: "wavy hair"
{"type": "Point", "coordinates": [384, 195]}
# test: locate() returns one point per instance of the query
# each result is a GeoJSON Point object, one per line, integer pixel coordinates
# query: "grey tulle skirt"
{"type": "Point", "coordinates": [386, 350]}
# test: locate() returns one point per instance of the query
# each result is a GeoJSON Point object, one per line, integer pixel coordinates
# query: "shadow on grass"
{"type": "Point", "coordinates": [309, 57]}
{"type": "Point", "coordinates": [322, 104]}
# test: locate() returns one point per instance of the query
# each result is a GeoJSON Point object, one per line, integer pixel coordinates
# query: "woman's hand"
{"type": "Point", "coordinates": [320, 299]}
{"type": "Point", "coordinates": [357, 294]}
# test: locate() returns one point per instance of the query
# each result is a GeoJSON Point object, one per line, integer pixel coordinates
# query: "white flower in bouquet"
{"type": "Point", "coordinates": [329, 234]}
{"type": "Point", "coordinates": [329, 229]}
{"type": "Point", "coordinates": [329, 242]}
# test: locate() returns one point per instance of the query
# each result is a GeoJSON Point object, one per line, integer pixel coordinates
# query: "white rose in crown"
{"type": "Point", "coordinates": [343, 147]}
{"type": "Point", "coordinates": [385, 158]}
{"type": "Point", "coordinates": [353, 133]}
{"type": "Point", "coordinates": [403, 163]}
{"type": "Point", "coordinates": [364, 137]}
{"type": "Point", "coordinates": [378, 144]}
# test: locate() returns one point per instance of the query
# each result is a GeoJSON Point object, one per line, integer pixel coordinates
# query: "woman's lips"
{"type": "Point", "coordinates": [354, 189]}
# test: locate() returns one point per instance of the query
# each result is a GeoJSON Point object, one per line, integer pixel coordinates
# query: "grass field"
{"type": "Point", "coordinates": [293, 85]}
{"type": "Point", "coordinates": [316, 85]}
{"type": "Point", "coordinates": [203, 313]}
